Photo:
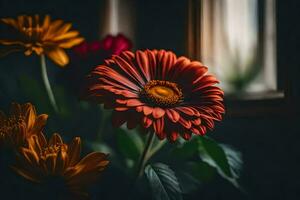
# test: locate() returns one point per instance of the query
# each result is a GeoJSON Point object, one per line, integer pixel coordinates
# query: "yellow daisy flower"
{"type": "Point", "coordinates": [57, 166]}
{"type": "Point", "coordinates": [21, 123]}
{"type": "Point", "coordinates": [31, 34]}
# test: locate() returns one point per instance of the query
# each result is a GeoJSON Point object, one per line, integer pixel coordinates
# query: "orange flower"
{"type": "Point", "coordinates": [42, 37]}
{"type": "Point", "coordinates": [164, 94]}
{"type": "Point", "coordinates": [58, 166]}
{"type": "Point", "coordinates": [20, 124]}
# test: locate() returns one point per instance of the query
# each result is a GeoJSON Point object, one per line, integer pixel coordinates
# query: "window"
{"type": "Point", "coordinates": [237, 39]}
{"type": "Point", "coordinates": [238, 43]}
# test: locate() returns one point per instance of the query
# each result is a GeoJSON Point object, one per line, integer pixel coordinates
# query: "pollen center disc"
{"type": "Point", "coordinates": [161, 93]}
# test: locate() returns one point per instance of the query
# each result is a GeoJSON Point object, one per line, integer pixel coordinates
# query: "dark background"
{"type": "Point", "coordinates": [269, 142]}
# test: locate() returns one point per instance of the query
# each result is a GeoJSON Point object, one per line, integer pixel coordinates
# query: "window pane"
{"type": "Point", "coordinates": [239, 46]}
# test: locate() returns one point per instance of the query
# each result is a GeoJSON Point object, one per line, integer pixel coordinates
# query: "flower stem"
{"type": "Point", "coordinates": [102, 122]}
{"type": "Point", "coordinates": [145, 156]}
{"type": "Point", "coordinates": [47, 83]}
{"type": "Point", "coordinates": [156, 148]}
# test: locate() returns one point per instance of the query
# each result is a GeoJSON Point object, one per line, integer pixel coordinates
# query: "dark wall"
{"type": "Point", "coordinates": [161, 25]}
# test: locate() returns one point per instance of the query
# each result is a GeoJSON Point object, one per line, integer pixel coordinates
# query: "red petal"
{"type": "Point", "coordinates": [158, 126]}
{"type": "Point", "coordinates": [204, 82]}
{"type": "Point", "coordinates": [152, 63]}
{"type": "Point", "coordinates": [158, 112]}
{"type": "Point", "coordinates": [186, 123]}
{"type": "Point", "coordinates": [186, 136]}
{"type": "Point", "coordinates": [202, 130]}
{"type": "Point", "coordinates": [143, 63]}
{"type": "Point", "coordinates": [134, 103]}
{"type": "Point", "coordinates": [181, 63]}
{"type": "Point", "coordinates": [129, 70]}
{"type": "Point", "coordinates": [121, 101]}
{"type": "Point", "coordinates": [173, 115]}
{"type": "Point", "coordinates": [114, 76]}
{"type": "Point", "coordinates": [196, 122]}
{"type": "Point", "coordinates": [121, 108]}
{"type": "Point", "coordinates": [139, 108]}
{"type": "Point", "coordinates": [209, 123]}
{"type": "Point", "coordinates": [167, 61]}
{"type": "Point", "coordinates": [195, 131]}
{"type": "Point", "coordinates": [147, 110]}
{"type": "Point", "coordinates": [147, 122]}
{"type": "Point", "coordinates": [173, 136]}
{"type": "Point", "coordinates": [186, 110]}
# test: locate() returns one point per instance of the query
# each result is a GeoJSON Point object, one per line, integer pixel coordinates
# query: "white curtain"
{"type": "Point", "coordinates": [229, 43]}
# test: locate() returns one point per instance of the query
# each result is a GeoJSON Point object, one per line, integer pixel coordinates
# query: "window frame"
{"type": "Point", "coordinates": [282, 102]}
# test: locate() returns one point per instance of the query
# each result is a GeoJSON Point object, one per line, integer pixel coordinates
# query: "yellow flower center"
{"type": "Point", "coordinates": [53, 150]}
{"type": "Point", "coordinates": [33, 33]}
{"type": "Point", "coordinates": [161, 93]}
{"type": "Point", "coordinates": [10, 125]}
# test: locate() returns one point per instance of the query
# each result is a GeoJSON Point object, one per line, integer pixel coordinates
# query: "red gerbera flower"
{"type": "Point", "coordinates": [164, 94]}
{"type": "Point", "coordinates": [87, 55]}
{"type": "Point", "coordinates": [110, 45]}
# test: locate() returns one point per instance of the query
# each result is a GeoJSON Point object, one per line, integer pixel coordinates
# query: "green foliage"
{"type": "Point", "coordinates": [225, 160]}
{"type": "Point", "coordinates": [129, 144]}
{"type": "Point", "coordinates": [186, 150]}
{"type": "Point", "coordinates": [213, 157]}
{"type": "Point", "coordinates": [163, 182]}
{"type": "Point", "coordinates": [188, 181]}
{"type": "Point", "coordinates": [201, 171]}
{"type": "Point", "coordinates": [240, 80]}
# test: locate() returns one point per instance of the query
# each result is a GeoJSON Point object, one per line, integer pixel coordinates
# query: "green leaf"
{"type": "Point", "coordinates": [163, 182]}
{"type": "Point", "coordinates": [201, 171]}
{"type": "Point", "coordinates": [227, 161]}
{"type": "Point", "coordinates": [105, 148]}
{"type": "Point", "coordinates": [129, 144]}
{"type": "Point", "coordinates": [101, 147]}
{"type": "Point", "coordinates": [186, 150]}
{"type": "Point", "coordinates": [188, 182]}
{"type": "Point", "coordinates": [234, 158]}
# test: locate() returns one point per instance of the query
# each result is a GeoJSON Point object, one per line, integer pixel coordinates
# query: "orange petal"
{"type": "Point", "coordinates": [68, 35]}
{"type": "Point", "coordinates": [74, 151]}
{"type": "Point", "coordinates": [92, 161]}
{"type": "Point", "coordinates": [40, 122]}
{"type": "Point", "coordinates": [34, 144]}
{"type": "Point", "coordinates": [46, 22]}
{"type": "Point", "coordinates": [26, 174]}
{"type": "Point", "coordinates": [58, 56]}
{"type": "Point", "coordinates": [55, 139]}
{"type": "Point", "coordinates": [71, 43]}
{"type": "Point", "coordinates": [51, 163]}
{"type": "Point", "coordinates": [61, 161]}
{"type": "Point", "coordinates": [30, 117]}
{"type": "Point", "coordinates": [10, 21]}
{"type": "Point", "coordinates": [30, 156]}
